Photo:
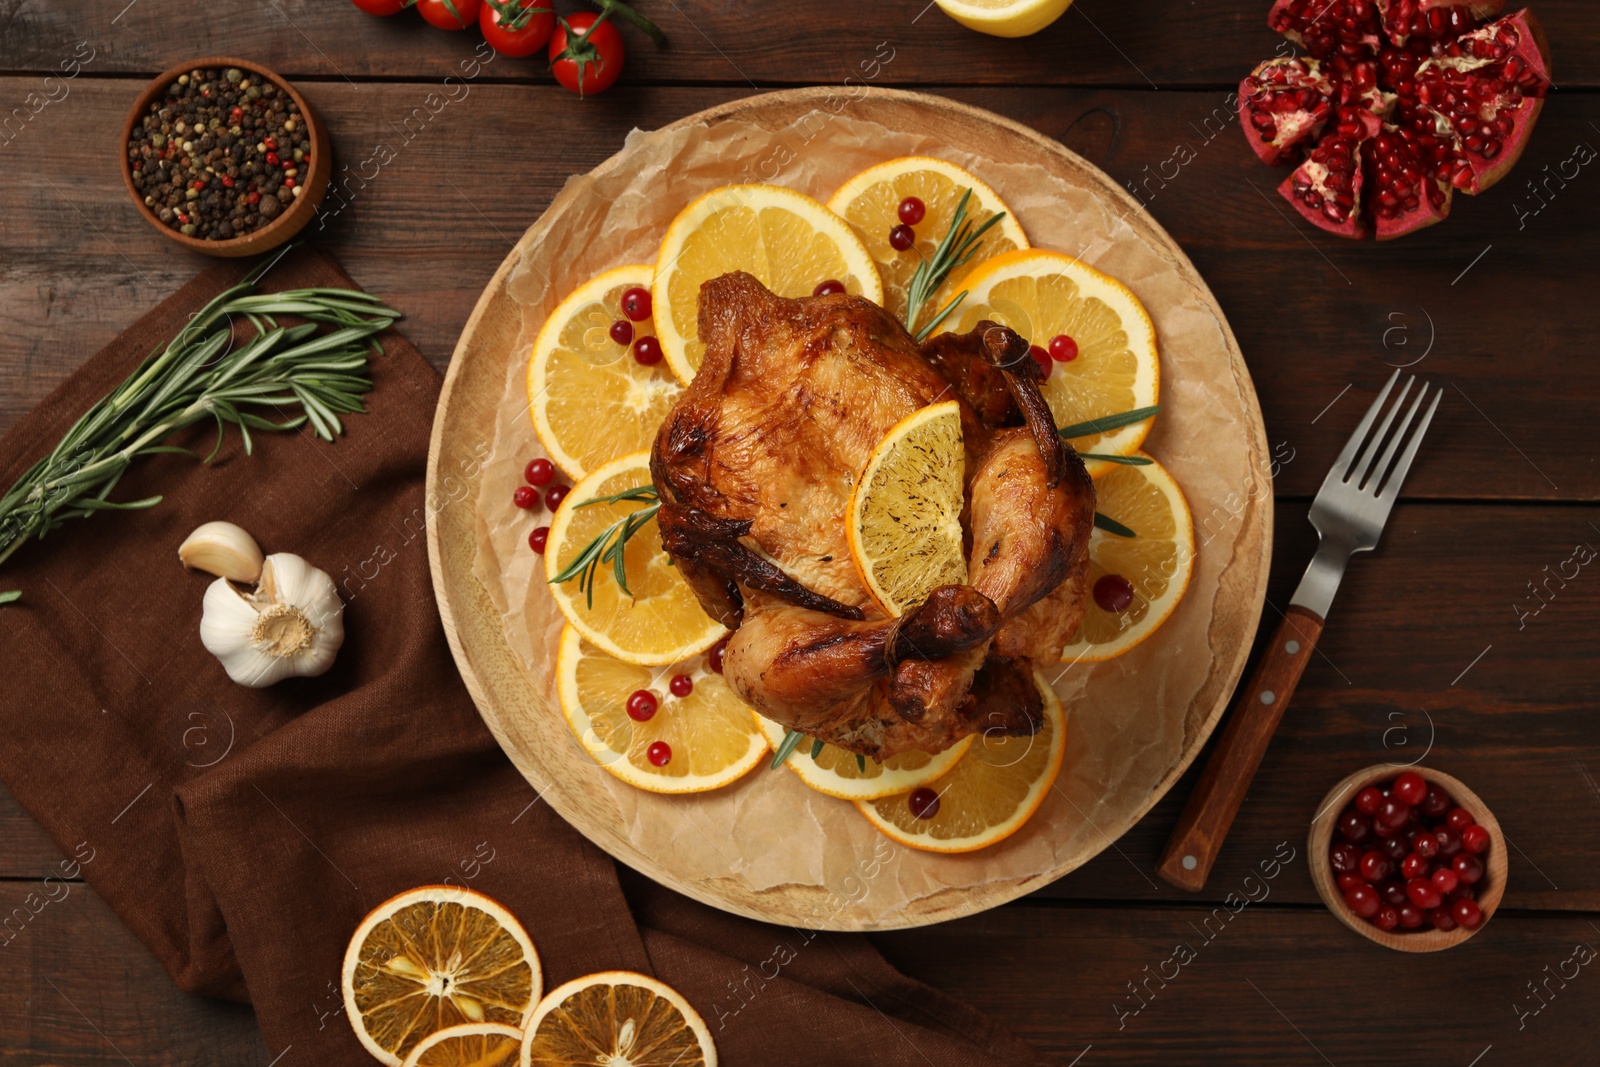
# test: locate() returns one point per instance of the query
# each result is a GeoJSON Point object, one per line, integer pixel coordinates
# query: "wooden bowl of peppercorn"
{"type": "Point", "coordinates": [224, 157]}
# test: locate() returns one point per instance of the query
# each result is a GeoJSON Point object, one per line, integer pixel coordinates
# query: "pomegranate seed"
{"type": "Point", "coordinates": [1410, 789]}
{"type": "Point", "coordinates": [539, 471]}
{"type": "Point", "coordinates": [538, 537]}
{"type": "Point", "coordinates": [681, 685]}
{"type": "Point", "coordinates": [1113, 593]}
{"type": "Point", "coordinates": [1345, 857]}
{"type": "Point", "coordinates": [923, 802]}
{"type": "Point", "coordinates": [554, 495]}
{"type": "Point", "coordinates": [641, 705]}
{"type": "Point", "coordinates": [622, 332]}
{"type": "Point", "coordinates": [714, 657]}
{"type": "Point", "coordinates": [525, 497]}
{"type": "Point", "coordinates": [830, 287]}
{"type": "Point", "coordinates": [1375, 866]}
{"type": "Point", "coordinates": [1475, 839]}
{"type": "Point", "coordinates": [1423, 893]}
{"type": "Point", "coordinates": [1468, 868]}
{"type": "Point", "coordinates": [1460, 818]}
{"type": "Point", "coordinates": [911, 210]}
{"type": "Point", "coordinates": [1063, 349]}
{"type": "Point", "coordinates": [659, 753]}
{"type": "Point", "coordinates": [1466, 913]}
{"type": "Point", "coordinates": [1444, 879]}
{"type": "Point", "coordinates": [636, 304]}
{"type": "Point", "coordinates": [902, 237]}
{"type": "Point", "coordinates": [647, 351]}
{"type": "Point", "coordinates": [1363, 900]}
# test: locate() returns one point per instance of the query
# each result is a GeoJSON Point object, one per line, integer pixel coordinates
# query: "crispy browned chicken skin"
{"type": "Point", "coordinates": [755, 466]}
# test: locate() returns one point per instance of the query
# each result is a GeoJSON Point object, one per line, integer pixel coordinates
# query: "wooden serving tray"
{"type": "Point", "coordinates": [766, 847]}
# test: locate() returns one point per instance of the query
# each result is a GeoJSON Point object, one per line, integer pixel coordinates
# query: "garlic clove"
{"type": "Point", "coordinates": [223, 549]}
{"type": "Point", "coordinates": [291, 625]}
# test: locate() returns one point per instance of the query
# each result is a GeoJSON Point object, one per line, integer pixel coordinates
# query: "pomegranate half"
{"type": "Point", "coordinates": [1393, 106]}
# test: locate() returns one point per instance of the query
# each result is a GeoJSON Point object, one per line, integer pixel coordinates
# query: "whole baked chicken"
{"type": "Point", "coordinates": [755, 465]}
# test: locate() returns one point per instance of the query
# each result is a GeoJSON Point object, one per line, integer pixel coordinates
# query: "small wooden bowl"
{"type": "Point", "coordinates": [280, 229]}
{"type": "Point", "coordinates": [1422, 939]}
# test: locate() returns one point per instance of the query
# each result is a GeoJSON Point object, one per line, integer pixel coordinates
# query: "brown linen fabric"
{"type": "Point", "coordinates": [242, 834]}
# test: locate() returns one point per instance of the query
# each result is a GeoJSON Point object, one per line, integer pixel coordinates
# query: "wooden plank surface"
{"type": "Point", "coordinates": [1314, 315]}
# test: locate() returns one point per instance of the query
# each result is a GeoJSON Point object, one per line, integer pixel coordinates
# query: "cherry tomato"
{"type": "Point", "coordinates": [381, 7]}
{"type": "Point", "coordinates": [450, 14]}
{"type": "Point", "coordinates": [590, 59]}
{"type": "Point", "coordinates": [498, 21]}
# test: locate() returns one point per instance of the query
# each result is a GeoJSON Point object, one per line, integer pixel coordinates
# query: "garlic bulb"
{"type": "Point", "coordinates": [223, 549]}
{"type": "Point", "coordinates": [291, 625]}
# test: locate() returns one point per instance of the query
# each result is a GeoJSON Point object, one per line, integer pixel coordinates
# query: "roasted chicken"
{"type": "Point", "coordinates": [755, 466]}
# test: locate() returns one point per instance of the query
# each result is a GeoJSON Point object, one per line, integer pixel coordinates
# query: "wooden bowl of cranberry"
{"type": "Point", "coordinates": [1408, 857]}
{"type": "Point", "coordinates": [225, 157]}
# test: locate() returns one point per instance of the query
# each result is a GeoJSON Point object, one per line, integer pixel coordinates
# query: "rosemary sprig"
{"type": "Point", "coordinates": [1126, 461]}
{"type": "Point", "coordinates": [1108, 422]}
{"type": "Point", "coordinates": [1110, 525]}
{"type": "Point", "coordinates": [209, 371]}
{"type": "Point", "coordinates": [791, 741]}
{"type": "Point", "coordinates": [959, 245]}
{"type": "Point", "coordinates": [610, 545]}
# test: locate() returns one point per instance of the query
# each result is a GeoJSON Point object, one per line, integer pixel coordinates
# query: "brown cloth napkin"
{"type": "Point", "coordinates": [242, 834]}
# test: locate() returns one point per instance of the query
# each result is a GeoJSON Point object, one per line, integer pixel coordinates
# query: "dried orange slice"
{"type": "Point", "coordinates": [617, 1019]}
{"type": "Point", "coordinates": [709, 738]}
{"type": "Point", "coordinates": [870, 203]}
{"type": "Point", "coordinates": [838, 773]}
{"type": "Point", "coordinates": [435, 957]}
{"type": "Point", "coordinates": [1155, 565]}
{"type": "Point", "coordinates": [657, 620]}
{"type": "Point", "coordinates": [990, 794]}
{"type": "Point", "coordinates": [589, 399]}
{"type": "Point", "coordinates": [469, 1045]}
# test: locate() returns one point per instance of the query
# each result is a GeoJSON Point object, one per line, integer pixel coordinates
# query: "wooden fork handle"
{"type": "Point", "coordinates": [1216, 799]}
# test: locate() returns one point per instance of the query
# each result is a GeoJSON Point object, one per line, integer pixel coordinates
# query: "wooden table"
{"type": "Point", "coordinates": [1457, 638]}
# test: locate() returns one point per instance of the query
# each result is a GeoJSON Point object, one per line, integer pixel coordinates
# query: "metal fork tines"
{"type": "Point", "coordinates": [1355, 499]}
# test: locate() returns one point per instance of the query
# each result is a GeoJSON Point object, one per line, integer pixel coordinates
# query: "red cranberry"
{"type": "Point", "coordinates": [1468, 867]}
{"type": "Point", "coordinates": [1460, 819]}
{"type": "Point", "coordinates": [1369, 800]}
{"type": "Point", "coordinates": [1363, 900]}
{"type": "Point", "coordinates": [622, 332]}
{"type": "Point", "coordinates": [647, 351]}
{"type": "Point", "coordinates": [1466, 913]}
{"type": "Point", "coordinates": [828, 288]}
{"type": "Point", "coordinates": [1386, 919]}
{"type": "Point", "coordinates": [538, 537]}
{"type": "Point", "coordinates": [1423, 893]}
{"type": "Point", "coordinates": [912, 211]}
{"type": "Point", "coordinates": [1414, 866]}
{"type": "Point", "coordinates": [681, 685]}
{"type": "Point", "coordinates": [1063, 349]}
{"type": "Point", "coordinates": [923, 802]}
{"type": "Point", "coordinates": [636, 304]}
{"type": "Point", "coordinates": [1396, 848]}
{"type": "Point", "coordinates": [1445, 879]}
{"type": "Point", "coordinates": [1475, 839]}
{"type": "Point", "coordinates": [714, 657]}
{"type": "Point", "coordinates": [1375, 866]}
{"type": "Point", "coordinates": [525, 497]}
{"type": "Point", "coordinates": [1436, 803]}
{"type": "Point", "coordinates": [539, 472]}
{"type": "Point", "coordinates": [659, 753]}
{"type": "Point", "coordinates": [642, 705]}
{"type": "Point", "coordinates": [1440, 917]}
{"type": "Point", "coordinates": [1042, 359]}
{"type": "Point", "coordinates": [1394, 894]}
{"type": "Point", "coordinates": [1353, 827]}
{"type": "Point", "coordinates": [1462, 890]}
{"type": "Point", "coordinates": [1425, 846]}
{"type": "Point", "coordinates": [1113, 593]}
{"type": "Point", "coordinates": [1449, 841]}
{"type": "Point", "coordinates": [1411, 916]}
{"type": "Point", "coordinates": [1345, 857]}
{"type": "Point", "coordinates": [1410, 789]}
{"type": "Point", "coordinates": [1348, 880]}
{"type": "Point", "coordinates": [902, 237]}
{"type": "Point", "coordinates": [554, 495]}
{"type": "Point", "coordinates": [1392, 814]}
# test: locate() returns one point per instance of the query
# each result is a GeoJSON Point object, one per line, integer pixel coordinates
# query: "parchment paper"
{"type": "Point", "coordinates": [1128, 720]}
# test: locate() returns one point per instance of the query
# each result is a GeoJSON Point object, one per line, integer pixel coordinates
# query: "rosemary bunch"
{"type": "Point", "coordinates": [206, 373]}
{"type": "Point", "coordinates": [959, 245]}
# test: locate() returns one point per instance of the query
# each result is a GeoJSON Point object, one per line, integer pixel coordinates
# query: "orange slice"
{"type": "Point", "coordinates": [469, 1045]}
{"type": "Point", "coordinates": [617, 1019]}
{"type": "Point", "coordinates": [838, 773]}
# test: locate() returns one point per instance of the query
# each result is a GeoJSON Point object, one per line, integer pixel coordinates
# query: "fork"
{"type": "Point", "coordinates": [1349, 513]}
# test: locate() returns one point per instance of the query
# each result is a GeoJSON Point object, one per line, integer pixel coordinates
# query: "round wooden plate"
{"type": "Point", "coordinates": [1134, 723]}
